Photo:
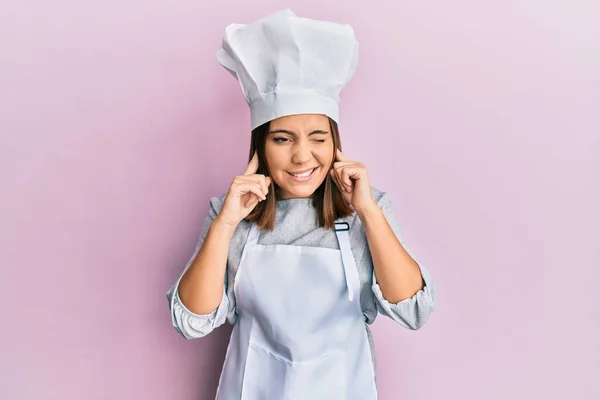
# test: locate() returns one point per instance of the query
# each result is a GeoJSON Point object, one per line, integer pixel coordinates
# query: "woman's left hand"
{"type": "Point", "coordinates": [352, 179]}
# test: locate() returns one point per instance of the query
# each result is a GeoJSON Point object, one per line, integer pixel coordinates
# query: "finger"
{"type": "Point", "coordinates": [264, 186]}
{"type": "Point", "coordinates": [340, 164]}
{"type": "Point", "coordinates": [261, 180]}
{"type": "Point", "coordinates": [341, 156]}
{"type": "Point", "coordinates": [355, 172]}
{"type": "Point", "coordinates": [252, 202]}
{"type": "Point", "coordinates": [251, 187]}
{"type": "Point", "coordinates": [252, 165]}
{"type": "Point", "coordinates": [339, 181]}
{"type": "Point", "coordinates": [346, 177]}
{"type": "Point", "coordinates": [339, 167]}
{"type": "Point", "coordinates": [347, 182]}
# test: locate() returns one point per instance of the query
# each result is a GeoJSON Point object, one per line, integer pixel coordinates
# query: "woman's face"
{"type": "Point", "coordinates": [299, 153]}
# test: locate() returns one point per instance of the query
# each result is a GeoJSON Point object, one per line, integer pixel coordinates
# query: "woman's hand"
{"type": "Point", "coordinates": [352, 179]}
{"type": "Point", "coordinates": [245, 192]}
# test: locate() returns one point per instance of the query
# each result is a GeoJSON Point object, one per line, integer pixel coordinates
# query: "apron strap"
{"type": "Point", "coordinates": [352, 280]}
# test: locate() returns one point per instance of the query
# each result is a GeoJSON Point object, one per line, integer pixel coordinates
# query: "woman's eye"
{"type": "Point", "coordinates": [283, 140]}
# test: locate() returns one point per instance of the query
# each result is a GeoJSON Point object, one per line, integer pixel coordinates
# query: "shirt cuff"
{"type": "Point", "coordinates": [191, 325]}
{"type": "Point", "coordinates": [413, 311]}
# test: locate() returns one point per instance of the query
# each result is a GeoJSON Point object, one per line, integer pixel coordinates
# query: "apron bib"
{"type": "Point", "coordinates": [300, 332]}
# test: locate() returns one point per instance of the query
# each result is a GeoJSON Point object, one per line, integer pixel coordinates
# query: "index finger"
{"type": "Point", "coordinates": [252, 165]}
{"type": "Point", "coordinates": [341, 156]}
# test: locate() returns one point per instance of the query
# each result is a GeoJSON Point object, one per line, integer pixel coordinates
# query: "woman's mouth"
{"type": "Point", "coordinates": [302, 176]}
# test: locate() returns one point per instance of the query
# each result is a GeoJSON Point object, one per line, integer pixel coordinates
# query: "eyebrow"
{"type": "Point", "coordinates": [315, 132]}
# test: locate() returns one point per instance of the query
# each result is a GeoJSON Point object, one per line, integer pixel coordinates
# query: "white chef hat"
{"type": "Point", "coordinates": [289, 65]}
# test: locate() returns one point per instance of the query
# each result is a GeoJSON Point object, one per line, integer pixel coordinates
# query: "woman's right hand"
{"type": "Point", "coordinates": [245, 192]}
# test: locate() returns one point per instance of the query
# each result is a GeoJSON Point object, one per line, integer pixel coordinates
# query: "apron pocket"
{"type": "Point", "coordinates": [270, 377]}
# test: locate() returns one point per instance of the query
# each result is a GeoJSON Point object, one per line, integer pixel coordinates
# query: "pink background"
{"type": "Point", "coordinates": [480, 118]}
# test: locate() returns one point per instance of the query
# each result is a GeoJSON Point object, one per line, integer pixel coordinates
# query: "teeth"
{"type": "Point", "coordinates": [304, 175]}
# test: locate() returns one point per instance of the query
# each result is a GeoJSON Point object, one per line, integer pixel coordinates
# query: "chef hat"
{"type": "Point", "coordinates": [289, 65]}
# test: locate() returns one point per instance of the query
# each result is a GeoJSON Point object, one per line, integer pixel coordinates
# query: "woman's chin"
{"type": "Point", "coordinates": [296, 192]}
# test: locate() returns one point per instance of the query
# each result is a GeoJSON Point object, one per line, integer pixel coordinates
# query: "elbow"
{"type": "Point", "coordinates": [193, 326]}
{"type": "Point", "coordinates": [412, 313]}
{"type": "Point", "coordinates": [420, 318]}
{"type": "Point", "coordinates": [189, 334]}
{"type": "Point", "coordinates": [424, 307]}
{"type": "Point", "coordinates": [424, 303]}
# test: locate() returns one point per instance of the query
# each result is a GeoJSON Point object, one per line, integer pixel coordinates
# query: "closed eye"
{"type": "Point", "coordinates": [282, 140]}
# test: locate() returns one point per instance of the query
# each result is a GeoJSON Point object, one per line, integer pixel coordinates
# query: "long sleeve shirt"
{"type": "Point", "coordinates": [296, 224]}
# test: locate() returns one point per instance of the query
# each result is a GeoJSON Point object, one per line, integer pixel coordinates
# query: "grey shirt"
{"type": "Point", "coordinates": [296, 224]}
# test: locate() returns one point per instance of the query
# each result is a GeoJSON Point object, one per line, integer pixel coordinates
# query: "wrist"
{"type": "Point", "coordinates": [368, 210]}
{"type": "Point", "coordinates": [222, 224]}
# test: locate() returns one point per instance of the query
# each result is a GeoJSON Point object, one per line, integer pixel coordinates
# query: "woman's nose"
{"type": "Point", "coordinates": [302, 154]}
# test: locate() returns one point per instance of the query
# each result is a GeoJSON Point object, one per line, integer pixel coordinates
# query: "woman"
{"type": "Point", "coordinates": [301, 252]}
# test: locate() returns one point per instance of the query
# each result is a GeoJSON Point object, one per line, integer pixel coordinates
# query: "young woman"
{"type": "Point", "coordinates": [301, 253]}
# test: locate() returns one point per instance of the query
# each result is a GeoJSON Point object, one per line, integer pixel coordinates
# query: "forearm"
{"type": "Point", "coordinates": [397, 273]}
{"type": "Point", "coordinates": [201, 287]}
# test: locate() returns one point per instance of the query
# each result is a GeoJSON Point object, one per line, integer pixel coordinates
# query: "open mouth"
{"type": "Point", "coordinates": [303, 176]}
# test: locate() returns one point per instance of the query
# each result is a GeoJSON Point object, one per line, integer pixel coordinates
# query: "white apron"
{"type": "Point", "coordinates": [300, 332]}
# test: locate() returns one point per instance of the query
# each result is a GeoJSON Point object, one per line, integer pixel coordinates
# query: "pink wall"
{"type": "Point", "coordinates": [117, 124]}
